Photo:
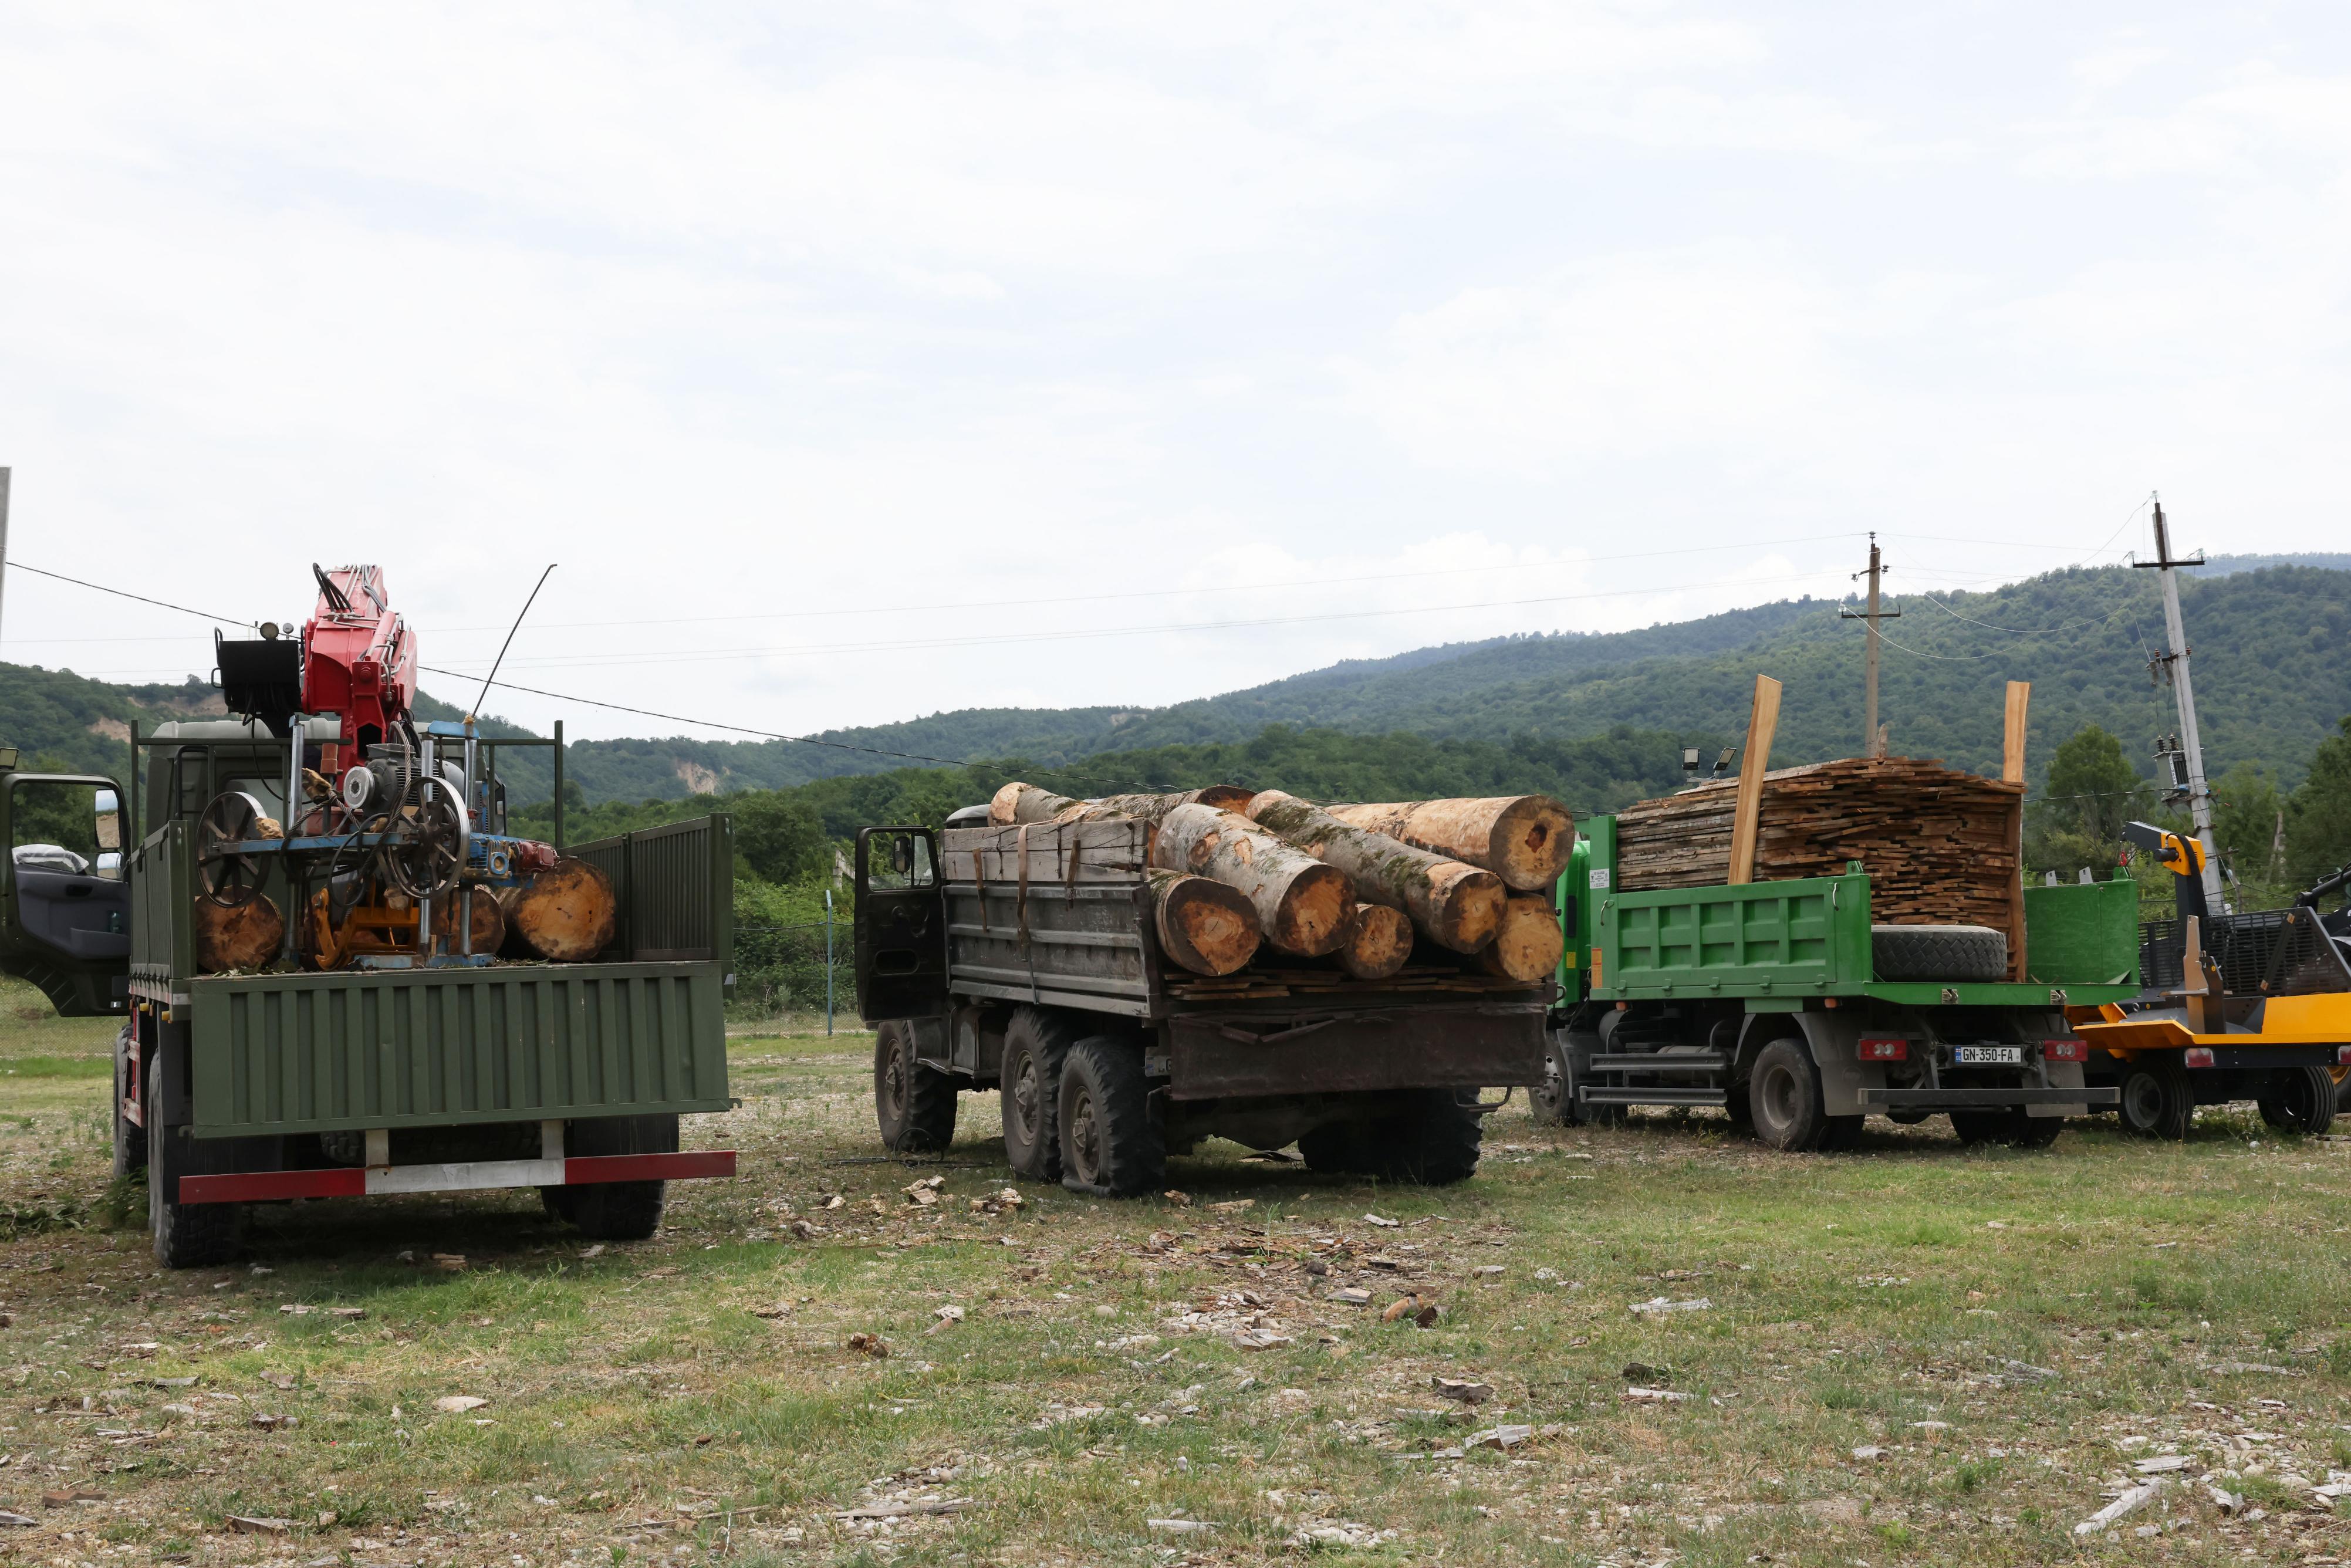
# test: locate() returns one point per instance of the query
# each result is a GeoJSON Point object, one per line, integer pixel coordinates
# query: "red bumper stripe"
{"type": "Point", "coordinates": [647, 1167]}
{"type": "Point", "coordinates": [347, 1181]}
{"type": "Point", "coordinates": [259, 1187]}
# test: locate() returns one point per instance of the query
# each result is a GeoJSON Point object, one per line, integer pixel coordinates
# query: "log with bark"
{"type": "Point", "coordinates": [1530, 944]}
{"type": "Point", "coordinates": [1458, 906]}
{"type": "Point", "coordinates": [1523, 839]}
{"type": "Point", "coordinates": [1204, 926]}
{"type": "Point", "coordinates": [1382, 944]}
{"type": "Point", "coordinates": [1019, 803]}
{"type": "Point", "coordinates": [489, 922]}
{"type": "Point", "coordinates": [247, 936]}
{"type": "Point", "coordinates": [1302, 906]}
{"type": "Point", "coordinates": [567, 915]}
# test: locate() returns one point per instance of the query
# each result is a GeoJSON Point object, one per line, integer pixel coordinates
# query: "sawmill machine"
{"type": "Point", "coordinates": [385, 817]}
{"type": "Point", "coordinates": [2255, 1005]}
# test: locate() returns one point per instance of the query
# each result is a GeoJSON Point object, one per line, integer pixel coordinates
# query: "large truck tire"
{"type": "Point", "coordinates": [1433, 1141]}
{"type": "Point", "coordinates": [914, 1102]}
{"type": "Point", "coordinates": [2299, 1100]}
{"type": "Point", "coordinates": [615, 1210]}
{"type": "Point", "coordinates": [1111, 1144]}
{"type": "Point", "coordinates": [130, 1138]}
{"type": "Point", "coordinates": [2010, 1125]}
{"type": "Point", "coordinates": [1944, 953]}
{"type": "Point", "coordinates": [189, 1235]}
{"type": "Point", "coordinates": [1035, 1043]}
{"type": "Point", "coordinates": [2157, 1101]}
{"type": "Point", "coordinates": [1335, 1148]}
{"type": "Point", "coordinates": [1783, 1096]}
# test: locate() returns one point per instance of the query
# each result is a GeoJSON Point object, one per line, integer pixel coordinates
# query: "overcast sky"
{"type": "Point", "coordinates": [795, 333]}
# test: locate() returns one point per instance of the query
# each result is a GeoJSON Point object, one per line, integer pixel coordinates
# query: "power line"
{"type": "Point", "coordinates": [120, 593]}
{"type": "Point", "coordinates": [796, 740]}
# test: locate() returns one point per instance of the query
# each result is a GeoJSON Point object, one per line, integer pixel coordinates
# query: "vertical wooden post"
{"type": "Point", "coordinates": [2011, 749]}
{"type": "Point", "coordinates": [1762, 720]}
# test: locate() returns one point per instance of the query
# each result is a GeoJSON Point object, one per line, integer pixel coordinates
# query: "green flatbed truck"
{"type": "Point", "coordinates": [285, 1083]}
{"type": "Point", "coordinates": [1782, 1004]}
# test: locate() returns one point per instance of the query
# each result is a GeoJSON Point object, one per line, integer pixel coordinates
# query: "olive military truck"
{"type": "Point", "coordinates": [305, 939]}
{"type": "Point", "coordinates": [1025, 960]}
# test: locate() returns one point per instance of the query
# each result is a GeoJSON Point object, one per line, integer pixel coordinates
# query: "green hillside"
{"type": "Point", "coordinates": [2267, 642]}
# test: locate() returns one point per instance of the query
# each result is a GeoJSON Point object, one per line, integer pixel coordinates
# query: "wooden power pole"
{"type": "Point", "coordinates": [1873, 741]}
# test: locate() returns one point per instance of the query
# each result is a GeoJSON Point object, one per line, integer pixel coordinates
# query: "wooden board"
{"type": "Point", "coordinates": [1111, 851]}
{"type": "Point", "coordinates": [1941, 847]}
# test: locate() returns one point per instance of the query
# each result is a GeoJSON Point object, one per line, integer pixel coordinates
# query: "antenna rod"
{"type": "Point", "coordinates": [510, 637]}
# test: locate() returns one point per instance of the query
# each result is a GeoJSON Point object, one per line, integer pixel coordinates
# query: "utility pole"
{"type": "Point", "coordinates": [4, 530]}
{"type": "Point", "coordinates": [2174, 665]}
{"type": "Point", "coordinates": [1873, 744]}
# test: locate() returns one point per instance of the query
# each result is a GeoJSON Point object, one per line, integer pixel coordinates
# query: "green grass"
{"type": "Point", "coordinates": [1899, 1298]}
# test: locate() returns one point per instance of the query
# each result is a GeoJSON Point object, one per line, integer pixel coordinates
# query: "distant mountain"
{"type": "Point", "coordinates": [2268, 634]}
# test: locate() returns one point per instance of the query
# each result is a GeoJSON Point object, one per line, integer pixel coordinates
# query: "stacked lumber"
{"type": "Point", "coordinates": [1263, 893]}
{"type": "Point", "coordinates": [1941, 847]}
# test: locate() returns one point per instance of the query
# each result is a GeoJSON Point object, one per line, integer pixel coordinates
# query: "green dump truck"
{"type": "Point", "coordinates": [1783, 1004]}
{"type": "Point", "coordinates": [450, 1073]}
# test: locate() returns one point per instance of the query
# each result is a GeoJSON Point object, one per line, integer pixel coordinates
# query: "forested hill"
{"type": "Point", "coordinates": [2269, 644]}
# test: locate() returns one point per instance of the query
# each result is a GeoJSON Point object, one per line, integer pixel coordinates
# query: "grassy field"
{"type": "Point", "coordinates": [1910, 1353]}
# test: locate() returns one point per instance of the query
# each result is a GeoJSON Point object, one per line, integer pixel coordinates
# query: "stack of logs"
{"type": "Point", "coordinates": [1940, 845]}
{"type": "Point", "coordinates": [1355, 891]}
{"type": "Point", "coordinates": [565, 913]}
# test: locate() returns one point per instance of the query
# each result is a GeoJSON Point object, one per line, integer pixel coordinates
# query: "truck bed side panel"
{"type": "Point", "coordinates": [302, 1053]}
{"type": "Point", "coordinates": [1415, 1044]}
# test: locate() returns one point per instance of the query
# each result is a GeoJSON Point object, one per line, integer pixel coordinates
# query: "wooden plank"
{"type": "Point", "coordinates": [2012, 751]}
{"type": "Point", "coordinates": [1056, 852]}
{"type": "Point", "coordinates": [1762, 723]}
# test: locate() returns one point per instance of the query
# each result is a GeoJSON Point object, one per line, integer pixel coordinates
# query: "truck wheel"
{"type": "Point", "coordinates": [190, 1235]}
{"type": "Point", "coordinates": [2157, 1101]}
{"type": "Point", "coordinates": [913, 1101]}
{"type": "Point", "coordinates": [1035, 1044]}
{"type": "Point", "coordinates": [2010, 1126]}
{"type": "Point", "coordinates": [1110, 1144]}
{"type": "Point", "coordinates": [2299, 1099]}
{"type": "Point", "coordinates": [1433, 1142]}
{"type": "Point", "coordinates": [1335, 1149]}
{"type": "Point", "coordinates": [130, 1138]}
{"type": "Point", "coordinates": [1551, 1100]}
{"type": "Point", "coordinates": [2029, 1131]}
{"type": "Point", "coordinates": [1839, 1133]}
{"type": "Point", "coordinates": [615, 1210]}
{"type": "Point", "coordinates": [1938, 953]}
{"type": "Point", "coordinates": [1784, 1095]}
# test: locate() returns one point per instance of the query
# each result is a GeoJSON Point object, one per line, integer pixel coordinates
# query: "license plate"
{"type": "Point", "coordinates": [1988, 1055]}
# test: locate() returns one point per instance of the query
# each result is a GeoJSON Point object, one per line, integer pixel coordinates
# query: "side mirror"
{"type": "Point", "coordinates": [109, 863]}
{"type": "Point", "coordinates": [109, 820]}
{"type": "Point", "coordinates": [902, 856]}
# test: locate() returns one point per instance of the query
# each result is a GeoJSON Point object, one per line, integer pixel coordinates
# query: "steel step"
{"type": "Point", "coordinates": [1609, 1094]}
{"type": "Point", "coordinates": [1656, 1061]}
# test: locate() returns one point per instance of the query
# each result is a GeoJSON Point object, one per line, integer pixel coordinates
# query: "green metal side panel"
{"type": "Point", "coordinates": [2080, 934]}
{"type": "Point", "coordinates": [302, 1053]}
{"type": "Point", "coordinates": [675, 885]}
{"type": "Point", "coordinates": [1808, 936]}
{"type": "Point", "coordinates": [1992, 993]}
{"type": "Point", "coordinates": [162, 887]}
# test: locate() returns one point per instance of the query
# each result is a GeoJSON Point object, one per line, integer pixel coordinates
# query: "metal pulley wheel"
{"type": "Point", "coordinates": [429, 847]}
{"type": "Point", "coordinates": [230, 879]}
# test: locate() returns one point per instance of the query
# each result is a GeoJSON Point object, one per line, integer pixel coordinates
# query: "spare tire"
{"type": "Point", "coordinates": [1938, 953]}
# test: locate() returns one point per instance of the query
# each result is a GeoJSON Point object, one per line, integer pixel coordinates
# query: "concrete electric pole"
{"type": "Point", "coordinates": [2188, 774]}
{"type": "Point", "coordinates": [1873, 740]}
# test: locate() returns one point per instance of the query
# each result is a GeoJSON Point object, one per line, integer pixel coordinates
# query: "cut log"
{"type": "Point", "coordinates": [567, 915]}
{"type": "Point", "coordinates": [1019, 803]}
{"type": "Point", "coordinates": [245, 937]}
{"type": "Point", "coordinates": [1382, 944]}
{"type": "Point", "coordinates": [1458, 906]}
{"type": "Point", "coordinates": [1523, 839]}
{"type": "Point", "coordinates": [1528, 945]}
{"type": "Point", "coordinates": [1302, 906]}
{"type": "Point", "coordinates": [489, 922]}
{"type": "Point", "coordinates": [1204, 926]}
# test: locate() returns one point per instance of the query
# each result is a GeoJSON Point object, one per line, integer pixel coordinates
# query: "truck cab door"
{"type": "Point", "coordinates": [67, 927]}
{"type": "Point", "coordinates": [901, 924]}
